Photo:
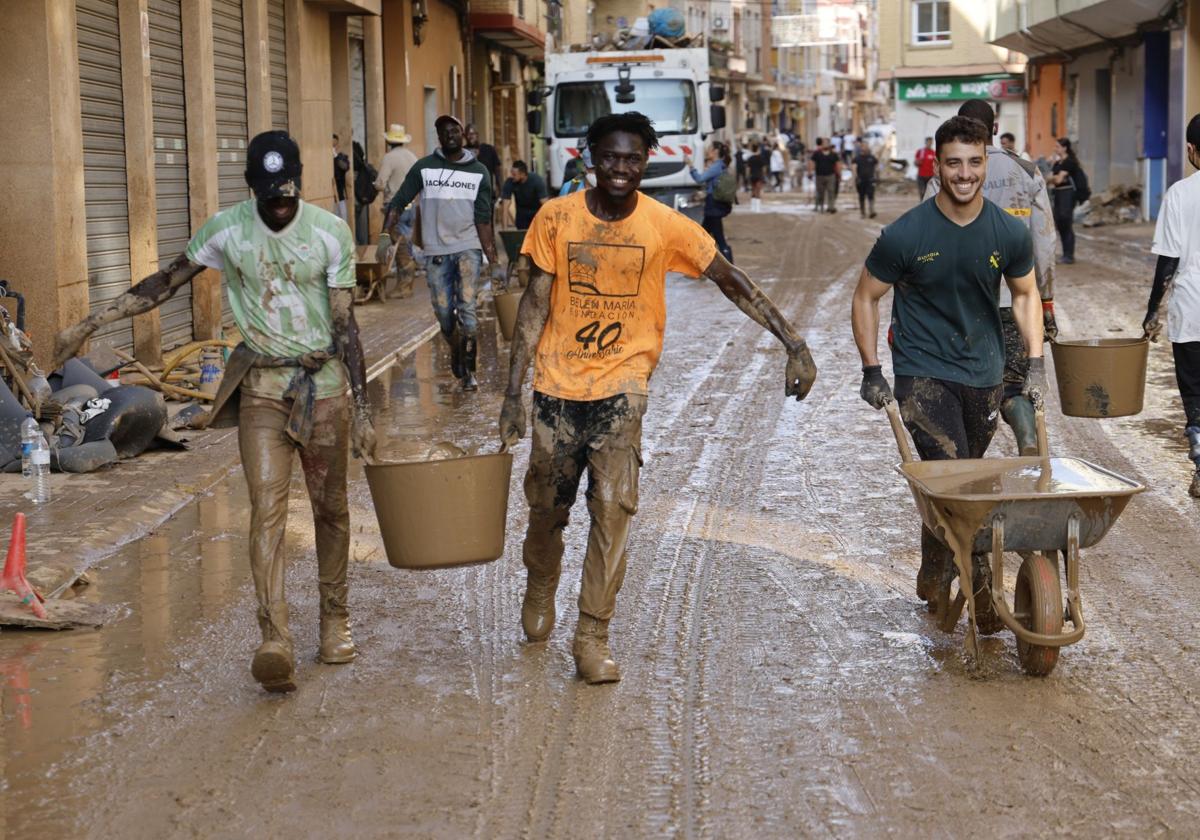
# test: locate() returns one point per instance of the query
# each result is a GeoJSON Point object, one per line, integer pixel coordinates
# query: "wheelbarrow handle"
{"type": "Point", "coordinates": [893, 413]}
{"type": "Point", "coordinates": [1043, 442]}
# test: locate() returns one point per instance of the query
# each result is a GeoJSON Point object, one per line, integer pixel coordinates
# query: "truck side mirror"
{"type": "Point", "coordinates": [718, 116]}
{"type": "Point", "coordinates": [533, 122]}
{"type": "Point", "coordinates": [716, 93]}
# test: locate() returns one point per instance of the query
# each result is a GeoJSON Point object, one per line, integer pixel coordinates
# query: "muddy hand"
{"type": "Point", "coordinates": [801, 372]}
{"type": "Point", "coordinates": [383, 248]}
{"type": "Point", "coordinates": [68, 342]}
{"type": "Point", "coordinates": [362, 435]}
{"type": "Point", "coordinates": [512, 420]}
{"type": "Point", "coordinates": [1152, 326]}
{"type": "Point", "coordinates": [1049, 324]}
{"type": "Point", "coordinates": [875, 388]}
{"type": "Point", "coordinates": [1034, 388]}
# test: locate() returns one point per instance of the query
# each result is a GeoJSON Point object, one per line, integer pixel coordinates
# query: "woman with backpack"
{"type": "Point", "coordinates": [720, 192]}
{"type": "Point", "coordinates": [1067, 184]}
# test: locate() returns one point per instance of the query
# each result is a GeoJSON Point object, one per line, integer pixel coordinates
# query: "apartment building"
{"type": "Point", "coordinates": [1121, 78]}
{"type": "Point", "coordinates": [935, 54]}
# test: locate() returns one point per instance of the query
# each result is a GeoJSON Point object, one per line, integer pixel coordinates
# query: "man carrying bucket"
{"type": "Point", "coordinates": [592, 321]}
{"type": "Point", "coordinates": [1177, 244]}
{"type": "Point", "coordinates": [945, 259]}
{"type": "Point", "coordinates": [1017, 187]}
{"type": "Point", "coordinates": [289, 267]}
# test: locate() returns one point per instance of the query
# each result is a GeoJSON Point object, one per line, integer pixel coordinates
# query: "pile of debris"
{"type": "Point", "coordinates": [1115, 206]}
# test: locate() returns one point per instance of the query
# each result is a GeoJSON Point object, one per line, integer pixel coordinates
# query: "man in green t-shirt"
{"type": "Point", "coordinates": [945, 259]}
{"type": "Point", "coordinates": [289, 268]}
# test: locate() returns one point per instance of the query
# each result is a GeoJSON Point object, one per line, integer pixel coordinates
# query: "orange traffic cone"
{"type": "Point", "coordinates": [13, 578]}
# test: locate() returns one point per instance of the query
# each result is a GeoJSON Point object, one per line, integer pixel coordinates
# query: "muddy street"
{"type": "Point", "coordinates": [780, 677]}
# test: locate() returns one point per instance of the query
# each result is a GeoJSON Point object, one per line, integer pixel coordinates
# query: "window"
{"type": "Point", "coordinates": [669, 103]}
{"type": "Point", "coordinates": [931, 21]}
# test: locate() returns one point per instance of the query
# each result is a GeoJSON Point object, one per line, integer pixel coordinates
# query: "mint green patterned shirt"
{"type": "Point", "coordinates": [279, 286]}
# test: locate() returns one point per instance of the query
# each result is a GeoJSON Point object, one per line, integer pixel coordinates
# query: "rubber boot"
{"type": "Point", "coordinates": [470, 348]}
{"type": "Point", "coordinates": [1019, 413]}
{"type": "Point", "coordinates": [1193, 436]}
{"type": "Point", "coordinates": [454, 339]}
{"type": "Point", "coordinates": [337, 645]}
{"type": "Point", "coordinates": [593, 659]}
{"type": "Point", "coordinates": [274, 665]}
{"type": "Point", "coordinates": [537, 610]}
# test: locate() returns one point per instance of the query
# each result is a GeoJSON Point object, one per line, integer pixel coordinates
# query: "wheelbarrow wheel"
{"type": "Point", "coordinates": [1038, 607]}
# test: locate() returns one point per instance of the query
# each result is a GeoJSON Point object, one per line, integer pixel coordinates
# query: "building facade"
{"type": "Point", "coordinates": [1120, 78]}
{"type": "Point", "coordinates": [935, 54]}
{"type": "Point", "coordinates": [127, 128]}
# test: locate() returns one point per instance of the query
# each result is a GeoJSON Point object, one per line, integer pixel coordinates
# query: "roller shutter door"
{"type": "Point", "coordinates": [104, 177]}
{"type": "Point", "coordinates": [170, 160]}
{"type": "Point", "coordinates": [278, 61]}
{"type": "Point", "coordinates": [229, 59]}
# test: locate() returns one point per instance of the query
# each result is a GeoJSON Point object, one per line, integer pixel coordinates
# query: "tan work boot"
{"type": "Point", "coordinates": [337, 645]}
{"type": "Point", "coordinates": [593, 659]}
{"type": "Point", "coordinates": [537, 610]}
{"type": "Point", "coordinates": [274, 665]}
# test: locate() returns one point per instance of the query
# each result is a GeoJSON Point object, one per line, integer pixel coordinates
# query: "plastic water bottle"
{"type": "Point", "coordinates": [29, 433]}
{"type": "Point", "coordinates": [39, 460]}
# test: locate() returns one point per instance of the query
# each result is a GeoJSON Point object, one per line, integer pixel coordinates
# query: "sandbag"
{"type": "Point", "coordinates": [131, 422]}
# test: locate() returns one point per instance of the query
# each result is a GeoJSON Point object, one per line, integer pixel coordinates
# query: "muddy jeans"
{"type": "Point", "coordinates": [947, 421]}
{"type": "Point", "coordinates": [604, 437]}
{"type": "Point", "coordinates": [452, 280]}
{"type": "Point", "coordinates": [267, 457]}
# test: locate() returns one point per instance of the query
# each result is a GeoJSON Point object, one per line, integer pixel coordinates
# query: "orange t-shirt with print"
{"type": "Point", "coordinates": [608, 304]}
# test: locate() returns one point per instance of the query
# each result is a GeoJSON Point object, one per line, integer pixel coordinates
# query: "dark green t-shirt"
{"type": "Point", "coordinates": [945, 317]}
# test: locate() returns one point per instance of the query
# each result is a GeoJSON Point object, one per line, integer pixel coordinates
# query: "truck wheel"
{"type": "Point", "coordinates": [1038, 607]}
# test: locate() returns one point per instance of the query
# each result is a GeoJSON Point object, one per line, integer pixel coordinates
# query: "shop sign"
{"type": "Point", "coordinates": [977, 87]}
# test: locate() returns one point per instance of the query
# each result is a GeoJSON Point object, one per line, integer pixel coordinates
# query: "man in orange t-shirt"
{"type": "Point", "coordinates": [592, 321]}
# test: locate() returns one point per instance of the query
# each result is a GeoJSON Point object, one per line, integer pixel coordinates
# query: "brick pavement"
{"type": "Point", "coordinates": [91, 516]}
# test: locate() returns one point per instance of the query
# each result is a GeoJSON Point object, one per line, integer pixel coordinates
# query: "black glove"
{"type": "Point", "coordinates": [1035, 382]}
{"type": "Point", "coordinates": [512, 420]}
{"type": "Point", "coordinates": [875, 389]}
{"type": "Point", "coordinates": [1151, 325]}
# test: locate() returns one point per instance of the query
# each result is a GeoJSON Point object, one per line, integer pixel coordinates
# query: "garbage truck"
{"type": "Point", "coordinates": [669, 85]}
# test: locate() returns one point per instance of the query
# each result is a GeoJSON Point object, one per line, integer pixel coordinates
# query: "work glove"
{"type": "Point", "coordinates": [512, 420]}
{"type": "Point", "coordinates": [801, 372]}
{"type": "Point", "coordinates": [362, 433]}
{"type": "Point", "coordinates": [1049, 325]}
{"type": "Point", "coordinates": [1034, 388]}
{"type": "Point", "coordinates": [875, 389]}
{"type": "Point", "coordinates": [383, 248]}
{"type": "Point", "coordinates": [1152, 326]}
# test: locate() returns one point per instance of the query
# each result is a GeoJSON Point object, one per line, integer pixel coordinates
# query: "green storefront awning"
{"type": "Point", "coordinates": [968, 87]}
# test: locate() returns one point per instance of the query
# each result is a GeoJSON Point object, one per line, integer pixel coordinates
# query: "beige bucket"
{"type": "Point", "coordinates": [436, 514]}
{"type": "Point", "coordinates": [506, 312]}
{"type": "Point", "coordinates": [1101, 377]}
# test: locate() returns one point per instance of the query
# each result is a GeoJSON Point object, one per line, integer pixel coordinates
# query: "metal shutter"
{"type": "Point", "coordinates": [104, 178]}
{"type": "Point", "coordinates": [229, 59]}
{"type": "Point", "coordinates": [278, 61]}
{"type": "Point", "coordinates": [170, 160]}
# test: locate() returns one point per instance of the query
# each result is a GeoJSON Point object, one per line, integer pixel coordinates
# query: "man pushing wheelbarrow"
{"type": "Point", "coordinates": [945, 259]}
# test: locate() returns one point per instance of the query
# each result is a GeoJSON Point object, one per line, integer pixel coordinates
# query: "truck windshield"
{"type": "Point", "coordinates": [669, 103]}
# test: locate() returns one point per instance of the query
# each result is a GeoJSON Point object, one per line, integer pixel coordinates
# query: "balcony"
{"type": "Point", "coordinates": [509, 30]}
{"type": "Point", "coordinates": [1040, 27]}
{"type": "Point", "coordinates": [353, 7]}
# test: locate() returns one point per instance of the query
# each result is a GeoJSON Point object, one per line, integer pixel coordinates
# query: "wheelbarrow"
{"type": "Point", "coordinates": [1037, 506]}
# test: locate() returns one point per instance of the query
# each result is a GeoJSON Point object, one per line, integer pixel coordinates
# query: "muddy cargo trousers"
{"type": "Point", "coordinates": [605, 438]}
{"type": "Point", "coordinates": [267, 458]}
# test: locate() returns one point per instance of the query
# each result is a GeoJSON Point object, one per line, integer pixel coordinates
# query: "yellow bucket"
{"type": "Point", "coordinates": [438, 514]}
{"type": "Point", "coordinates": [1101, 377]}
{"type": "Point", "coordinates": [506, 312]}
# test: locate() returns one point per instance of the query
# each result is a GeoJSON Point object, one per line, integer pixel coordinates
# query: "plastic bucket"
{"type": "Point", "coordinates": [506, 312]}
{"type": "Point", "coordinates": [1101, 377]}
{"type": "Point", "coordinates": [437, 514]}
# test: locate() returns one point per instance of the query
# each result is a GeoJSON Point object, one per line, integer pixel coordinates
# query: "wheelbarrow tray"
{"type": "Point", "coordinates": [1037, 498]}
{"type": "Point", "coordinates": [512, 240]}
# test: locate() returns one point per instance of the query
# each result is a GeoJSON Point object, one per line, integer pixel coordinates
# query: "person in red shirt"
{"type": "Point", "coordinates": [926, 158]}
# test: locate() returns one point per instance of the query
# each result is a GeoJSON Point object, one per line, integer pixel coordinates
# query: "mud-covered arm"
{"type": "Point", "coordinates": [532, 314]}
{"type": "Point", "coordinates": [483, 221]}
{"type": "Point", "coordinates": [146, 295]}
{"type": "Point", "coordinates": [748, 297]}
{"type": "Point", "coordinates": [1164, 273]}
{"type": "Point", "coordinates": [348, 342]}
